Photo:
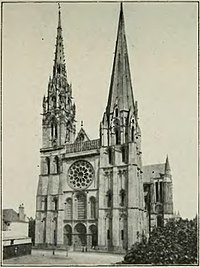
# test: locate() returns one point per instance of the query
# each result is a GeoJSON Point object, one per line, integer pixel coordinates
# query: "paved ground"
{"type": "Point", "coordinates": [60, 259]}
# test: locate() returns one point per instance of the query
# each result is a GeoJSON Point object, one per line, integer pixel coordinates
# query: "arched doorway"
{"type": "Point", "coordinates": [80, 235]}
{"type": "Point", "coordinates": [94, 237]}
{"type": "Point", "coordinates": [67, 235]}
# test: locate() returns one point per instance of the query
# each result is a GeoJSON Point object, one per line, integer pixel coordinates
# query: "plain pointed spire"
{"type": "Point", "coordinates": [120, 85]}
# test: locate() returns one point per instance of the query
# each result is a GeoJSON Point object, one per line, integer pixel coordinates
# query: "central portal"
{"type": "Point", "coordinates": [80, 237]}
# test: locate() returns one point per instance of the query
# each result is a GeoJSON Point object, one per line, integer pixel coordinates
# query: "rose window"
{"type": "Point", "coordinates": [80, 175]}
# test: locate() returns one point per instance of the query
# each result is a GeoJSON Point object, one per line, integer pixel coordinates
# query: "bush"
{"type": "Point", "coordinates": [175, 243]}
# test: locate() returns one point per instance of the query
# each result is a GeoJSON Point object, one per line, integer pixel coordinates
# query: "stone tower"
{"type": "Point", "coordinates": [58, 129]}
{"type": "Point", "coordinates": [121, 199]}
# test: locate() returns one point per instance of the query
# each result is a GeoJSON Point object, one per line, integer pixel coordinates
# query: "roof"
{"type": "Point", "coordinates": [10, 215]}
{"type": "Point", "coordinates": [152, 171]}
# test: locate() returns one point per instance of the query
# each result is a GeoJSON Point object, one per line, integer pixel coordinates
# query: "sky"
{"type": "Point", "coordinates": [162, 45]}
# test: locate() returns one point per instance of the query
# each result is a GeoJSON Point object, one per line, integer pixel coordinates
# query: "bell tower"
{"type": "Point", "coordinates": [121, 201]}
{"type": "Point", "coordinates": [58, 124]}
{"type": "Point", "coordinates": [58, 130]}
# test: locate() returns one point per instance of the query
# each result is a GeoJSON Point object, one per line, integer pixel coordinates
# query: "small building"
{"type": "Point", "coordinates": [16, 241]}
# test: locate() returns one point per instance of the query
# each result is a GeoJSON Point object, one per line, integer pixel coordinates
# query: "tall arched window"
{"type": "Point", "coordinates": [56, 130]}
{"type": "Point", "coordinates": [118, 136]}
{"type": "Point", "coordinates": [55, 203]}
{"type": "Point", "coordinates": [161, 191]}
{"type": "Point", "coordinates": [122, 197]}
{"type": "Point", "coordinates": [124, 153]}
{"type": "Point", "coordinates": [81, 206]}
{"type": "Point", "coordinates": [45, 203]}
{"type": "Point", "coordinates": [56, 162]}
{"type": "Point", "coordinates": [157, 191]}
{"type": "Point", "coordinates": [52, 130]}
{"type": "Point", "coordinates": [47, 165]}
{"type": "Point", "coordinates": [110, 156]}
{"type": "Point", "coordinates": [109, 198]}
{"type": "Point", "coordinates": [108, 234]}
{"type": "Point", "coordinates": [116, 112]}
{"type": "Point", "coordinates": [93, 207]}
{"type": "Point", "coordinates": [132, 133]}
{"type": "Point", "coordinates": [68, 209]}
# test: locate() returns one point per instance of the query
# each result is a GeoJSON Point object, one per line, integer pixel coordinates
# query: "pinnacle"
{"type": "Point", "coordinates": [167, 166]}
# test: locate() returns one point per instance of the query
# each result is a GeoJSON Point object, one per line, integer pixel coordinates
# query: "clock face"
{"type": "Point", "coordinates": [80, 175]}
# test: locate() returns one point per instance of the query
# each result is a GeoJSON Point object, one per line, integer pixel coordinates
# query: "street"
{"type": "Point", "coordinates": [60, 258]}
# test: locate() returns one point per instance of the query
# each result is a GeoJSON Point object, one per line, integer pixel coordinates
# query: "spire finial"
{"type": "Point", "coordinates": [59, 16]}
{"type": "Point", "coordinates": [121, 11]}
{"type": "Point", "coordinates": [81, 123]}
{"type": "Point", "coordinates": [121, 6]}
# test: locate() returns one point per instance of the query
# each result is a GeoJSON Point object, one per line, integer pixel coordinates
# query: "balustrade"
{"type": "Point", "coordinates": [83, 146]}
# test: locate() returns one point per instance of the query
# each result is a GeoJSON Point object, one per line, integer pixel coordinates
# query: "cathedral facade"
{"type": "Point", "coordinates": [96, 193]}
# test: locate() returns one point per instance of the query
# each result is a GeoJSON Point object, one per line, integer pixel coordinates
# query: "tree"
{"type": "Point", "coordinates": [175, 243]}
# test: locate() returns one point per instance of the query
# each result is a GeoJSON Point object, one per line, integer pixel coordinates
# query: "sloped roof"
{"type": "Point", "coordinates": [152, 171]}
{"type": "Point", "coordinates": [10, 215]}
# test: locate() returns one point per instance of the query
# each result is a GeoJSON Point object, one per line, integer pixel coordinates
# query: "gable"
{"type": "Point", "coordinates": [81, 136]}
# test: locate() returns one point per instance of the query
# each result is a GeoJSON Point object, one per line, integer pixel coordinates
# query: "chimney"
{"type": "Point", "coordinates": [21, 213]}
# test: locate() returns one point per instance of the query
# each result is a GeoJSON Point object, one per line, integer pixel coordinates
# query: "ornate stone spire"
{"type": "Point", "coordinates": [120, 86]}
{"type": "Point", "coordinates": [58, 107]}
{"type": "Point", "coordinates": [59, 67]}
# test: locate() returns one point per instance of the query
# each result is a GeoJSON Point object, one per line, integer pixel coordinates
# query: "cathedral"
{"type": "Point", "coordinates": [96, 194]}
